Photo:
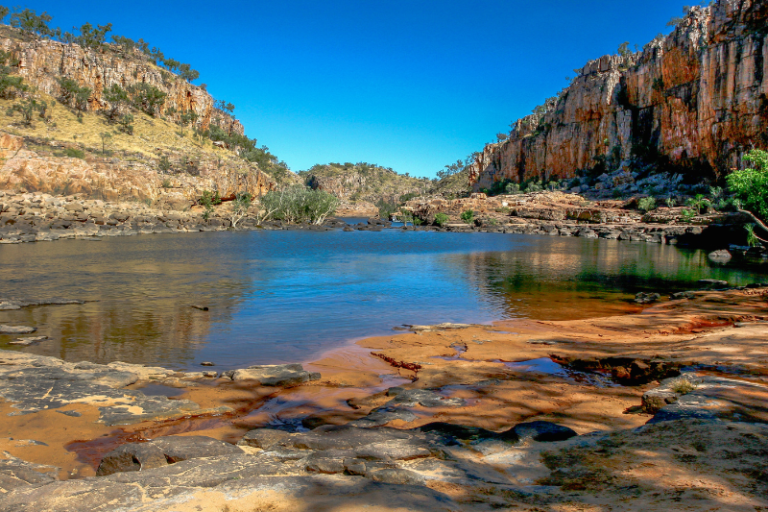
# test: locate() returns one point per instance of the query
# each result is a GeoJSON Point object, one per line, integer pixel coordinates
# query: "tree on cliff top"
{"type": "Point", "coordinates": [93, 37]}
{"type": "Point", "coordinates": [30, 22]}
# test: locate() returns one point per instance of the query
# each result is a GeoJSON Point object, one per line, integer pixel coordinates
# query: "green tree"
{"type": "Point", "coordinates": [125, 124]}
{"type": "Point", "coordinates": [30, 22]}
{"type": "Point", "coordinates": [189, 118]}
{"type": "Point", "coordinates": [751, 184]}
{"type": "Point", "coordinates": [441, 219]}
{"type": "Point", "coordinates": [698, 203]}
{"type": "Point", "coordinates": [74, 95]}
{"type": "Point", "coordinates": [10, 86]}
{"type": "Point", "coordinates": [91, 37]}
{"type": "Point", "coordinates": [146, 97]}
{"type": "Point", "coordinates": [3, 12]}
{"type": "Point", "coordinates": [117, 97]}
{"type": "Point", "coordinates": [28, 108]}
{"type": "Point", "coordinates": [105, 138]}
{"type": "Point", "coordinates": [468, 216]}
{"type": "Point", "coordinates": [187, 73]}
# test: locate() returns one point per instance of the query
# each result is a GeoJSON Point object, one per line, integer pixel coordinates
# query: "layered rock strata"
{"type": "Point", "coordinates": [42, 62]}
{"type": "Point", "coordinates": [695, 99]}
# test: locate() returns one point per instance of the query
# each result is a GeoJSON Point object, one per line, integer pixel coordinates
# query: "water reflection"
{"type": "Point", "coordinates": [288, 296]}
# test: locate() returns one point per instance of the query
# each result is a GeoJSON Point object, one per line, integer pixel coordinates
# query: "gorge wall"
{"type": "Point", "coordinates": [42, 62]}
{"type": "Point", "coordinates": [694, 102]}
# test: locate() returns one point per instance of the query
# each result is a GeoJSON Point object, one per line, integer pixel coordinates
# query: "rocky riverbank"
{"type": "Point", "coordinates": [650, 411]}
{"type": "Point", "coordinates": [32, 217]}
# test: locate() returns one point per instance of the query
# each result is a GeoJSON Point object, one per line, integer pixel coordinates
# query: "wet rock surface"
{"type": "Point", "coordinates": [283, 375]}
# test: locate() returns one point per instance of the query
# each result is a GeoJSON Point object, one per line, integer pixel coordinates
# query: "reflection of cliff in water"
{"type": "Point", "coordinates": [139, 303]}
{"type": "Point", "coordinates": [569, 279]}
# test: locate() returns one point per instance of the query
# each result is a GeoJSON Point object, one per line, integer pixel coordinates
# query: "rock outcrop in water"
{"type": "Point", "coordinates": [692, 102]}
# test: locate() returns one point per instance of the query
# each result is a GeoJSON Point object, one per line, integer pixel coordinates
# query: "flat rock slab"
{"type": "Point", "coordinates": [161, 452]}
{"type": "Point", "coordinates": [16, 329]}
{"type": "Point", "coordinates": [33, 383]}
{"type": "Point", "coordinates": [16, 473]}
{"type": "Point", "coordinates": [283, 375]}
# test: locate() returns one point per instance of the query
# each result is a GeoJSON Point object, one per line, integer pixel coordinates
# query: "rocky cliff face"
{"type": "Point", "coordinates": [43, 62]}
{"type": "Point", "coordinates": [693, 102]}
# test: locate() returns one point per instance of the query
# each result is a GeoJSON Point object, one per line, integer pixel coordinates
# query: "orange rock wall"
{"type": "Point", "coordinates": [697, 97]}
{"type": "Point", "coordinates": [43, 62]}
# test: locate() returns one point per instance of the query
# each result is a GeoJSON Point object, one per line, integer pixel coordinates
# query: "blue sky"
{"type": "Point", "coordinates": [407, 84]}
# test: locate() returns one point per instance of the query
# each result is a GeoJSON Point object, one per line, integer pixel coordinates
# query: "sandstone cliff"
{"type": "Point", "coordinates": [692, 102]}
{"type": "Point", "coordinates": [42, 62]}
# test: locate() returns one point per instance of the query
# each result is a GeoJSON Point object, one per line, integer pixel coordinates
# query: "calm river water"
{"type": "Point", "coordinates": [282, 296]}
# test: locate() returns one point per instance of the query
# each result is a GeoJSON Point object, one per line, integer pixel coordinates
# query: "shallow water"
{"type": "Point", "coordinates": [280, 296]}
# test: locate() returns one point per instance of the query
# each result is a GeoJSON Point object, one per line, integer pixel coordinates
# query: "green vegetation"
{"type": "Point", "coordinates": [683, 386]}
{"type": "Point", "coordinates": [75, 153]}
{"type": "Point", "coordinates": [146, 97]}
{"type": "Point", "coordinates": [441, 219]}
{"type": "Point", "coordinates": [28, 108]}
{"type": "Point", "coordinates": [647, 204]}
{"type": "Point", "coordinates": [240, 207]}
{"type": "Point", "coordinates": [752, 239]}
{"type": "Point", "coordinates": [751, 184]}
{"type": "Point", "coordinates": [468, 216]}
{"type": "Point", "coordinates": [296, 204]}
{"type": "Point", "coordinates": [671, 202]}
{"type": "Point", "coordinates": [699, 203]}
{"type": "Point", "coordinates": [73, 95]}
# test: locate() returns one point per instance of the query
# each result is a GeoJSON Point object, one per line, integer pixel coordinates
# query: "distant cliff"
{"type": "Point", "coordinates": [692, 102]}
{"type": "Point", "coordinates": [42, 62]}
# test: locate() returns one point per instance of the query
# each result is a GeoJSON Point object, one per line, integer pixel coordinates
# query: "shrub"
{"type": "Point", "coordinates": [386, 209]}
{"type": "Point", "coordinates": [117, 97]}
{"type": "Point", "coordinates": [75, 153]}
{"type": "Point", "coordinates": [699, 203]}
{"type": "Point", "coordinates": [210, 198]}
{"type": "Point", "coordinates": [750, 185]}
{"type": "Point", "coordinates": [647, 204]}
{"type": "Point", "coordinates": [683, 386]}
{"type": "Point", "coordinates": [688, 215]}
{"type": "Point", "coordinates": [146, 98]}
{"type": "Point", "coordinates": [468, 216]}
{"type": "Point", "coordinates": [164, 164]}
{"type": "Point", "coordinates": [166, 183]}
{"type": "Point", "coordinates": [125, 124]}
{"type": "Point", "coordinates": [298, 203]}
{"type": "Point", "coordinates": [74, 95]}
{"type": "Point", "coordinates": [671, 202]}
{"type": "Point", "coordinates": [28, 108]}
{"type": "Point", "coordinates": [534, 186]}
{"type": "Point", "coordinates": [752, 239]}
{"type": "Point", "coordinates": [441, 219]}
{"type": "Point", "coordinates": [240, 207]}
{"type": "Point", "coordinates": [512, 188]}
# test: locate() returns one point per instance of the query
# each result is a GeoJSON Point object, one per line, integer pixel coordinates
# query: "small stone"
{"type": "Point", "coordinates": [211, 375]}
{"type": "Point", "coordinates": [207, 363]}
{"type": "Point", "coordinates": [721, 256]}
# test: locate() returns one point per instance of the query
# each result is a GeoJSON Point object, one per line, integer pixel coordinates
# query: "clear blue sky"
{"type": "Point", "coordinates": [407, 84]}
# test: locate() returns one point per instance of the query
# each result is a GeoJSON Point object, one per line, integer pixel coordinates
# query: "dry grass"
{"type": "Point", "coordinates": [152, 136]}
